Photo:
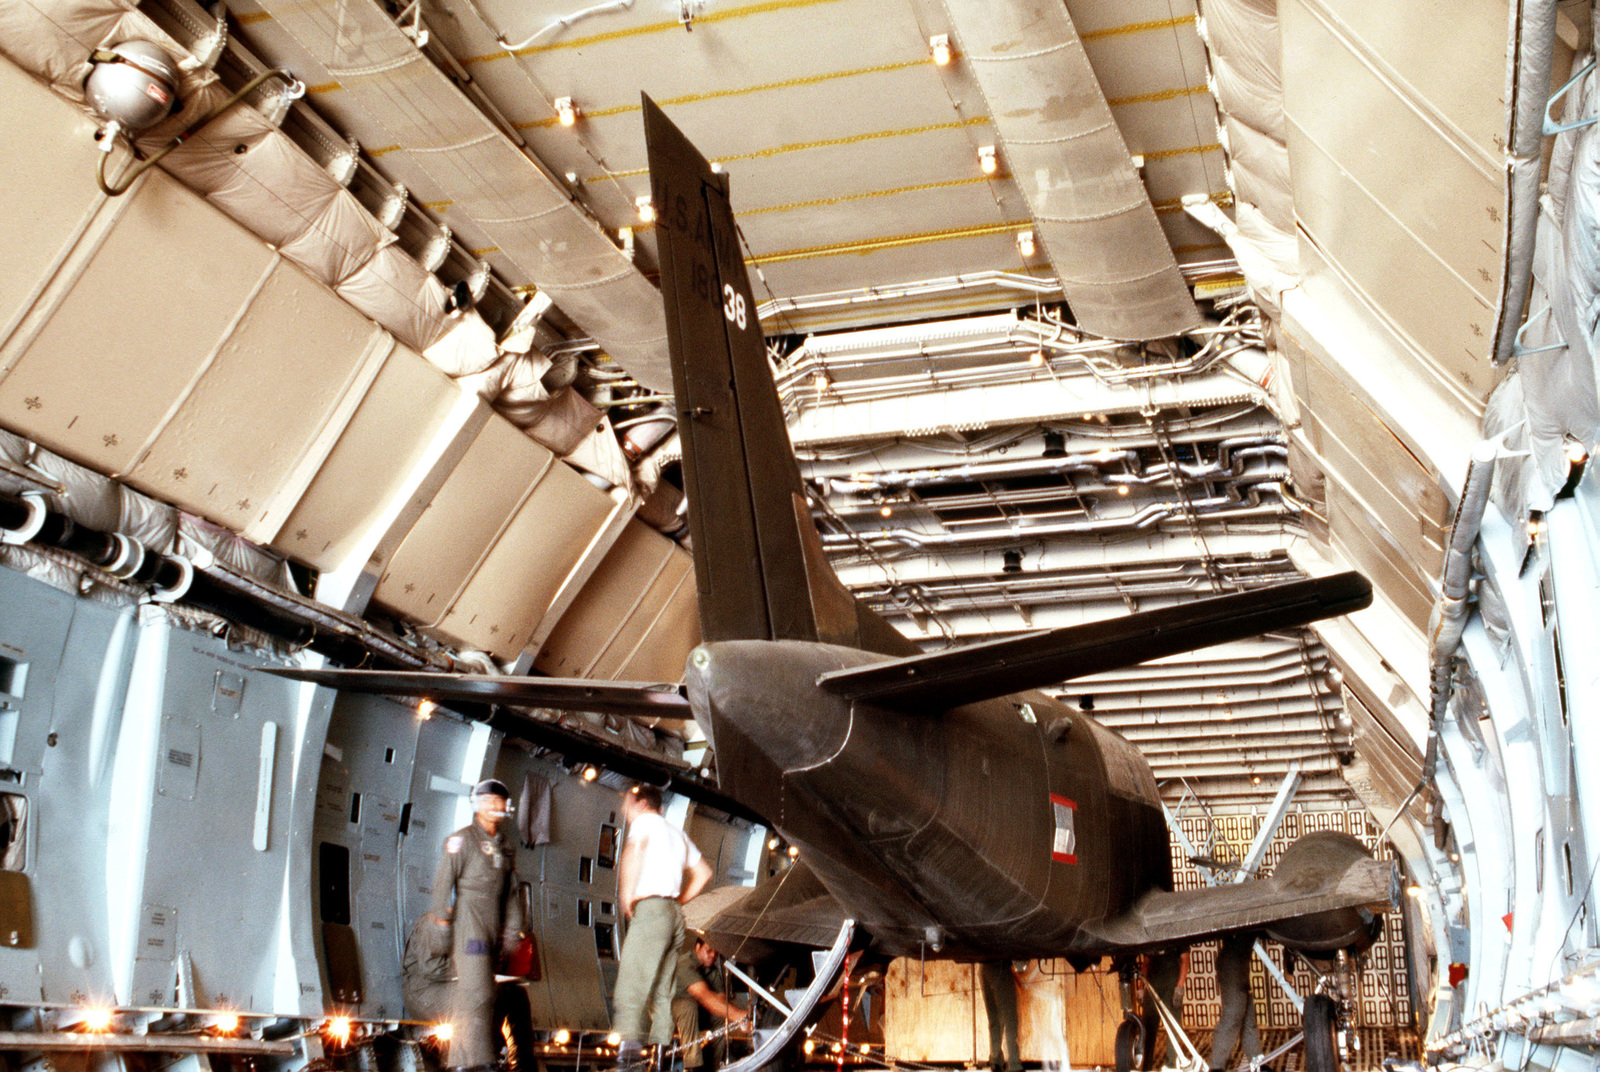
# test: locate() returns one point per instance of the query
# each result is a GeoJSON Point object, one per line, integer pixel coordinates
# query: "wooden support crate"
{"type": "Point", "coordinates": [934, 1012]}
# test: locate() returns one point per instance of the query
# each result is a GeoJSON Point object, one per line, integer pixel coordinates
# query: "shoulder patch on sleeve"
{"type": "Point", "coordinates": [452, 844]}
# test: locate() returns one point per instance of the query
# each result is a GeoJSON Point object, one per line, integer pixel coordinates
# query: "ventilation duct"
{"type": "Point", "coordinates": [1091, 211]}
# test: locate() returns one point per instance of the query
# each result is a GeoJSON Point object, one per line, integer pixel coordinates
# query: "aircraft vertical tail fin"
{"type": "Point", "coordinates": [759, 578]}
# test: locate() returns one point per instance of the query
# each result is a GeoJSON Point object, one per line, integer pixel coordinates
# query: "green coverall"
{"type": "Point", "coordinates": [476, 887]}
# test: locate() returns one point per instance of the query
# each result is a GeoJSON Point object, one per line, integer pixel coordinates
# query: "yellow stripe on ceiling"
{"type": "Point", "coordinates": [1158, 97]}
{"type": "Point", "coordinates": [800, 146]}
{"type": "Point", "coordinates": [385, 151]}
{"type": "Point", "coordinates": [872, 245]}
{"type": "Point", "coordinates": [807, 321]}
{"type": "Point", "coordinates": [324, 87]}
{"type": "Point", "coordinates": [716, 94]}
{"type": "Point", "coordinates": [252, 17]}
{"type": "Point", "coordinates": [485, 251]}
{"type": "Point", "coordinates": [892, 191]}
{"type": "Point", "coordinates": [1135, 28]}
{"type": "Point", "coordinates": [651, 28]}
{"type": "Point", "coordinates": [1167, 154]}
{"type": "Point", "coordinates": [435, 206]}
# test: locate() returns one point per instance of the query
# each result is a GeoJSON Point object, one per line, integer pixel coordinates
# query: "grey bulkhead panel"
{"type": "Point", "coordinates": [366, 779]}
{"type": "Point", "coordinates": [574, 893]}
{"type": "Point", "coordinates": [206, 756]}
{"type": "Point", "coordinates": [450, 758]}
{"type": "Point", "coordinates": [65, 661]}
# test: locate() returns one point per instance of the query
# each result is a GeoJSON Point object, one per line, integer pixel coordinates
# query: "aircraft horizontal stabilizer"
{"type": "Point", "coordinates": [788, 909]}
{"type": "Point", "coordinates": [1324, 896]}
{"type": "Point", "coordinates": [631, 699]}
{"type": "Point", "coordinates": [948, 679]}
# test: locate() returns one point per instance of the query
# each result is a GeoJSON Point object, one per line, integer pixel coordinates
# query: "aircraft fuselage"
{"type": "Point", "coordinates": [995, 827]}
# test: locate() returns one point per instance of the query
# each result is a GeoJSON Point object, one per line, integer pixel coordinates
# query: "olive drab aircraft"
{"type": "Point", "coordinates": [935, 799]}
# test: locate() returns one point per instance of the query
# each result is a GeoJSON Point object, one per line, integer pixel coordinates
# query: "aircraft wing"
{"type": "Point", "coordinates": [789, 909]}
{"type": "Point", "coordinates": [631, 699]}
{"type": "Point", "coordinates": [948, 679]}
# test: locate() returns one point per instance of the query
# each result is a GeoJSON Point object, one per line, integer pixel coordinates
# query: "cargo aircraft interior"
{"type": "Point", "coordinates": [1080, 510]}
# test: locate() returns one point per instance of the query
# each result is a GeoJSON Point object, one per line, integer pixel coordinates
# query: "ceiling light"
{"type": "Point", "coordinates": [939, 45]}
{"type": "Point", "coordinates": [134, 85]}
{"type": "Point", "coordinates": [1122, 489]}
{"type": "Point", "coordinates": [772, 843]}
{"type": "Point", "coordinates": [338, 1029]}
{"type": "Point", "coordinates": [590, 774]}
{"type": "Point", "coordinates": [1576, 452]}
{"type": "Point", "coordinates": [566, 111]}
{"type": "Point", "coordinates": [442, 1032]}
{"type": "Point", "coordinates": [885, 510]}
{"type": "Point", "coordinates": [97, 1019]}
{"type": "Point", "coordinates": [987, 160]}
{"type": "Point", "coordinates": [794, 851]}
{"type": "Point", "coordinates": [425, 710]}
{"type": "Point", "coordinates": [1036, 358]}
{"type": "Point", "coordinates": [1025, 244]}
{"type": "Point", "coordinates": [1255, 779]}
{"type": "Point", "coordinates": [820, 381]}
{"type": "Point", "coordinates": [1414, 891]}
{"type": "Point", "coordinates": [561, 1037]}
{"type": "Point", "coordinates": [646, 207]}
{"type": "Point", "coordinates": [227, 1023]}
{"type": "Point", "coordinates": [810, 1046]}
{"type": "Point", "coordinates": [613, 1039]}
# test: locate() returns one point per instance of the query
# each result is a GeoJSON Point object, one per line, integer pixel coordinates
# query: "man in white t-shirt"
{"type": "Point", "coordinates": [653, 889]}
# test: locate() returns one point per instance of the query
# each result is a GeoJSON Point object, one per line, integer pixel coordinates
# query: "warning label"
{"type": "Point", "coordinates": [1065, 848]}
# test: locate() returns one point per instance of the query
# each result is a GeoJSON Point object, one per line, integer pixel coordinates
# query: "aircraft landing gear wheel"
{"type": "Point", "coordinates": [1130, 1045]}
{"type": "Point", "coordinates": [1320, 1019]}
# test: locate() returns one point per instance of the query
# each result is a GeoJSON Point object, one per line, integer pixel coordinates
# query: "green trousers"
{"type": "Point", "coordinates": [686, 1012]}
{"type": "Point", "coordinates": [642, 1002]}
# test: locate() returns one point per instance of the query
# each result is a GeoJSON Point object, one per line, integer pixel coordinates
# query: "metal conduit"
{"type": "Point", "coordinates": [214, 588]}
{"type": "Point", "coordinates": [1533, 36]}
{"type": "Point", "coordinates": [1212, 508]}
{"type": "Point", "coordinates": [1449, 618]}
{"type": "Point", "coordinates": [1025, 338]}
{"type": "Point", "coordinates": [1231, 456]}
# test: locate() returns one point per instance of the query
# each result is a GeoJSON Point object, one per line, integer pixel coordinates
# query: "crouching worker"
{"type": "Point", "coordinates": [698, 986]}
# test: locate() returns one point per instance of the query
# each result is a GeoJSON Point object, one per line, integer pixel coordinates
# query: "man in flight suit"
{"type": "Point", "coordinates": [653, 890]}
{"type": "Point", "coordinates": [1000, 1004]}
{"type": "Point", "coordinates": [427, 982]}
{"type": "Point", "coordinates": [475, 891]}
{"type": "Point", "coordinates": [696, 987]}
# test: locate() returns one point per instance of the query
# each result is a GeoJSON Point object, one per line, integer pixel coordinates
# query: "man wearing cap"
{"type": "Point", "coordinates": [476, 892]}
{"type": "Point", "coordinates": [697, 987]}
{"type": "Point", "coordinates": [653, 889]}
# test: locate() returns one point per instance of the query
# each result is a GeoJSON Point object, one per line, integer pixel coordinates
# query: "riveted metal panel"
{"type": "Point", "coordinates": [462, 523]}
{"type": "Point", "coordinates": [259, 410]}
{"type": "Point", "coordinates": [57, 142]}
{"type": "Point", "coordinates": [509, 592]}
{"type": "Point", "coordinates": [140, 335]}
{"type": "Point", "coordinates": [387, 436]}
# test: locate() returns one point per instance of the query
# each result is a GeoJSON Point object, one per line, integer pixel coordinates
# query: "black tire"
{"type": "Point", "coordinates": [1320, 1018]}
{"type": "Point", "coordinates": [1130, 1045]}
